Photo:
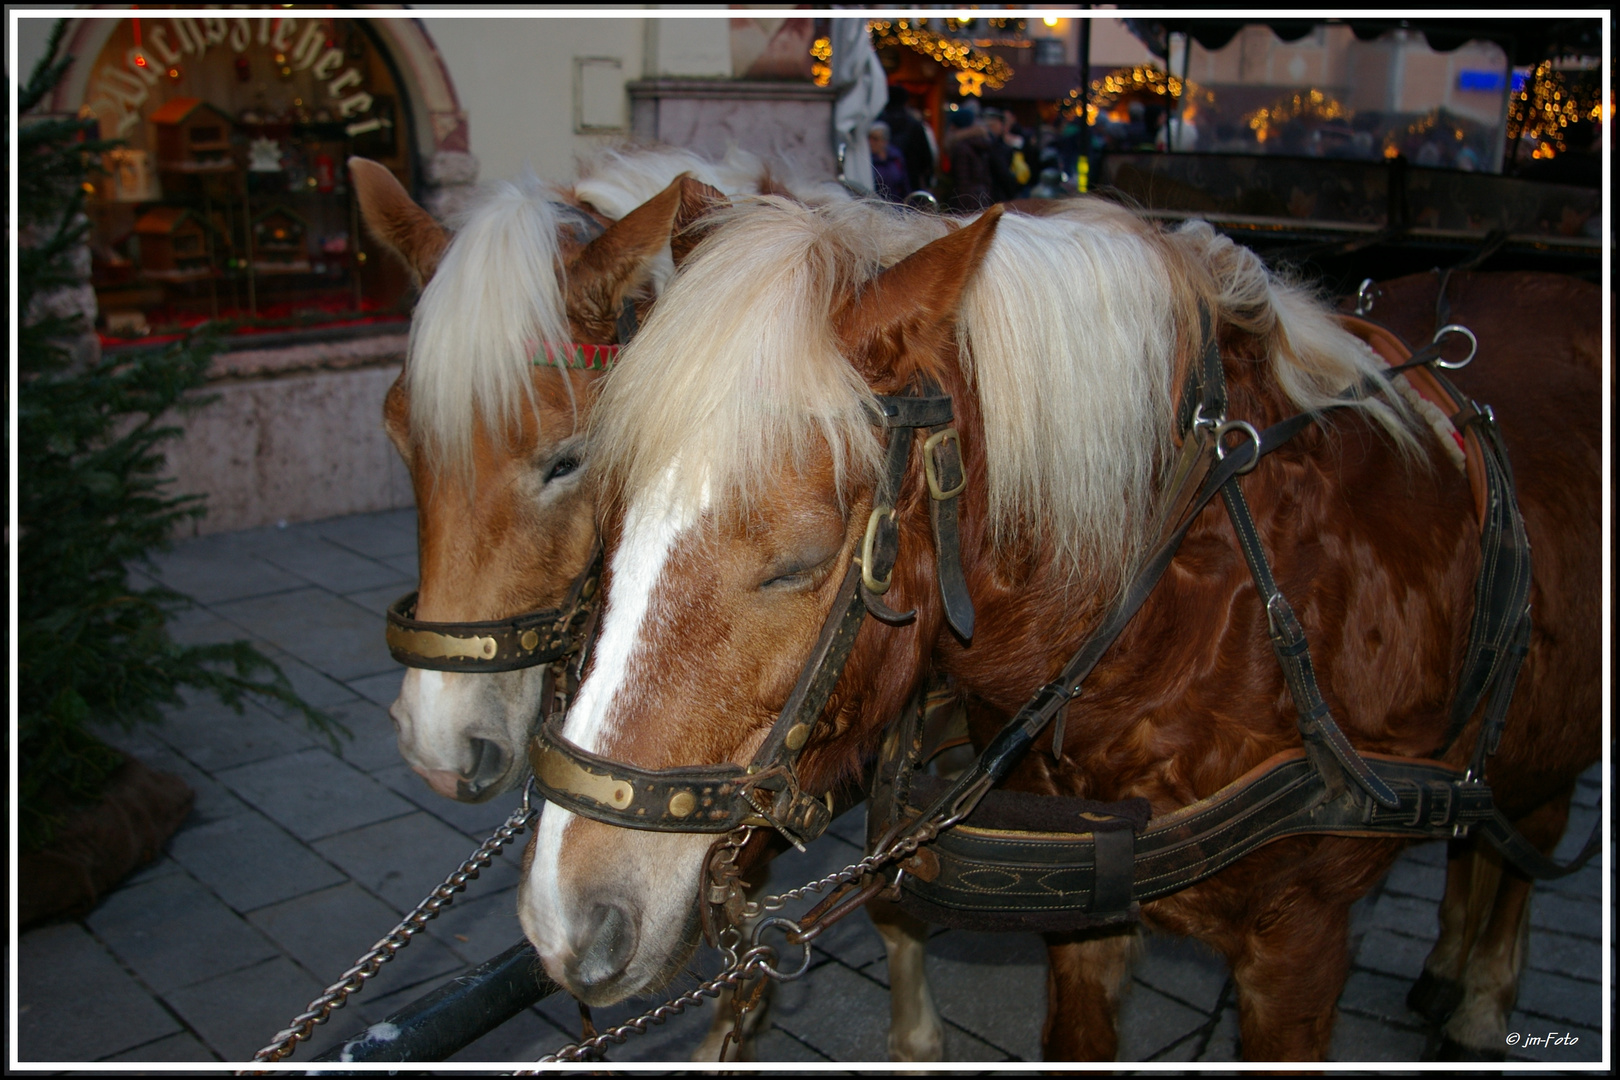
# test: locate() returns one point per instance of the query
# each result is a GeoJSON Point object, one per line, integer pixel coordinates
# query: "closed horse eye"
{"type": "Point", "coordinates": [796, 579]}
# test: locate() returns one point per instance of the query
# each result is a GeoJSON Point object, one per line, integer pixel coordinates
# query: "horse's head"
{"type": "Point", "coordinates": [732, 510]}
{"type": "Point", "coordinates": [490, 423]}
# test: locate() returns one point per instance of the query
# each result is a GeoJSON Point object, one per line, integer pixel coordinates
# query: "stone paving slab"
{"type": "Point", "coordinates": [321, 691]}
{"type": "Point", "coordinates": [214, 736]}
{"type": "Point", "coordinates": [312, 794]}
{"type": "Point", "coordinates": [477, 820]}
{"type": "Point", "coordinates": [59, 1021]}
{"type": "Point", "coordinates": [372, 743]}
{"type": "Point", "coordinates": [295, 860]}
{"type": "Point", "coordinates": [376, 536]}
{"type": "Point", "coordinates": [370, 856]}
{"type": "Point", "coordinates": [325, 631]}
{"type": "Point", "coordinates": [176, 1048]}
{"type": "Point", "coordinates": [325, 931]}
{"type": "Point", "coordinates": [237, 1014]}
{"type": "Point", "coordinates": [216, 568]}
{"type": "Point", "coordinates": [1154, 1026]}
{"type": "Point", "coordinates": [478, 924]}
{"type": "Point", "coordinates": [333, 567]}
{"type": "Point", "coordinates": [142, 923]}
{"type": "Point", "coordinates": [378, 689]}
{"type": "Point", "coordinates": [248, 861]}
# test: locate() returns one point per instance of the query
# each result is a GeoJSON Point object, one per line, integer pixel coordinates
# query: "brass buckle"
{"type": "Point", "coordinates": [931, 471]}
{"type": "Point", "coordinates": [873, 584]}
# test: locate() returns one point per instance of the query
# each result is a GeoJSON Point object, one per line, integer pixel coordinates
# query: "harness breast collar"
{"type": "Point", "coordinates": [1029, 862]}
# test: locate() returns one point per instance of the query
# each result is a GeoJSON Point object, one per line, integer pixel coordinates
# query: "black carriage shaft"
{"type": "Point", "coordinates": [466, 1008]}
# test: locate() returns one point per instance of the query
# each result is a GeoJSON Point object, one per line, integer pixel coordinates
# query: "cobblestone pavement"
{"type": "Point", "coordinates": [297, 859]}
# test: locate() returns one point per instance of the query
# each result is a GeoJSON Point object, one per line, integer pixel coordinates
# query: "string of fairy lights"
{"type": "Point", "coordinates": [1545, 107]}
{"type": "Point", "coordinates": [1541, 110]}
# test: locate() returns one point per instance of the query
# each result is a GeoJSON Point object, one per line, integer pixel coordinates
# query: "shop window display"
{"type": "Point", "coordinates": [229, 197]}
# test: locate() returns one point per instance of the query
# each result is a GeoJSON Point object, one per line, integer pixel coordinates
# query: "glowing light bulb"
{"type": "Point", "coordinates": [1050, 20]}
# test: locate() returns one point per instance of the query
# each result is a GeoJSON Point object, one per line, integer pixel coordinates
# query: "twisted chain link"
{"type": "Point", "coordinates": [351, 981]}
{"type": "Point", "coordinates": [753, 962]}
{"type": "Point", "coordinates": [756, 961]}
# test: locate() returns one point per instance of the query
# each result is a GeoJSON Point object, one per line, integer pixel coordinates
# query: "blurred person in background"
{"type": "Point", "coordinates": [890, 178]}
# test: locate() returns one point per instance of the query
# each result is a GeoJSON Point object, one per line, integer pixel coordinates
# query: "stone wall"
{"type": "Point", "coordinates": [294, 434]}
{"type": "Point", "coordinates": [785, 121]}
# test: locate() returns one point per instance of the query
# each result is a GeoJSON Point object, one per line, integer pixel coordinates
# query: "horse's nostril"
{"type": "Point", "coordinates": [611, 942]}
{"type": "Point", "coordinates": [488, 766]}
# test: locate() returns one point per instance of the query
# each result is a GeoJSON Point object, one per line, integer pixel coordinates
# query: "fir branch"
{"type": "Point", "coordinates": [93, 504]}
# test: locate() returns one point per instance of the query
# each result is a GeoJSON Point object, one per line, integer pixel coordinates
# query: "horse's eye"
{"type": "Point", "coordinates": [787, 581]}
{"type": "Point", "coordinates": [561, 467]}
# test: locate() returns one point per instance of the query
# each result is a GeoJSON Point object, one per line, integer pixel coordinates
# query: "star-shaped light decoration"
{"type": "Point", "coordinates": [264, 155]}
{"type": "Point", "coordinates": [970, 83]}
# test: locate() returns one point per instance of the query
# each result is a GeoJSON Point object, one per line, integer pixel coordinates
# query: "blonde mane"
{"type": "Point", "coordinates": [1071, 329]}
{"type": "Point", "coordinates": [740, 356]}
{"type": "Point", "coordinates": [499, 289]}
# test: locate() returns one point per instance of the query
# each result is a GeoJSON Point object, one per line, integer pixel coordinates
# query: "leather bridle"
{"type": "Point", "coordinates": [767, 791]}
{"type": "Point", "coordinates": [521, 641]}
{"type": "Point", "coordinates": [533, 637]}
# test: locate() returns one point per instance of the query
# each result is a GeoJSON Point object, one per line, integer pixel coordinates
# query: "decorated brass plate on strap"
{"type": "Point", "coordinates": [527, 640]}
{"type": "Point", "coordinates": [690, 799]}
{"type": "Point", "coordinates": [537, 637]}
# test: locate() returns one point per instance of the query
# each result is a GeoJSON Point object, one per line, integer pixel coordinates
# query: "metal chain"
{"type": "Point", "coordinates": [351, 981]}
{"type": "Point", "coordinates": [757, 960]}
{"type": "Point", "coordinates": [753, 962]}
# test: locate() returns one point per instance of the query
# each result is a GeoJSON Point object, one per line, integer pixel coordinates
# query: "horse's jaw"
{"type": "Point", "coordinates": [467, 734]}
{"type": "Point", "coordinates": [611, 912]}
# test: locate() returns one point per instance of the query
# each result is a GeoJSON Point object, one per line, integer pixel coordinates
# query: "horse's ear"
{"type": "Point", "coordinates": [698, 201]}
{"type": "Point", "coordinates": [603, 271]}
{"type": "Point", "coordinates": [395, 221]}
{"type": "Point", "coordinates": [909, 310]}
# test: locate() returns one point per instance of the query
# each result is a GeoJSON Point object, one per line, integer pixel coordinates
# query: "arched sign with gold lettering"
{"type": "Point", "coordinates": [309, 55]}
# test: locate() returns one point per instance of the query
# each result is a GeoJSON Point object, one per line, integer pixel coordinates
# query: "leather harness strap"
{"type": "Point", "coordinates": [979, 876]}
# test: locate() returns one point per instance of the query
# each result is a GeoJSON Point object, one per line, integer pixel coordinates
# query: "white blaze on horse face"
{"type": "Point", "coordinates": [653, 525]}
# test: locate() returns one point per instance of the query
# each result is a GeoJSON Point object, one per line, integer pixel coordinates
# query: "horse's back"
{"type": "Point", "coordinates": [1524, 314]}
{"type": "Point", "coordinates": [1538, 368]}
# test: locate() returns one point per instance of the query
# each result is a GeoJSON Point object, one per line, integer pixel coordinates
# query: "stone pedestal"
{"type": "Point", "coordinates": [293, 434]}
{"type": "Point", "coordinates": [789, 122]}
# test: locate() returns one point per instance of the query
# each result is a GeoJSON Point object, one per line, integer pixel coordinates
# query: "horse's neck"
{"type": "Point", "coordinates": [1034, 614]}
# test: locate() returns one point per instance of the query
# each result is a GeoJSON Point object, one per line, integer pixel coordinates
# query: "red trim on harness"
{"type": "Point", "coordinates": [579, 356]}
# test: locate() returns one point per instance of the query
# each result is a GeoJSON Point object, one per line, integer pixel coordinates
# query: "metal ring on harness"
{"type": "Point", "coordinates": [922, 200]}
{"type": "Point", "coordinates": [1244, 427]}
{"type": "Point", "coordinates": [1473, 345]}
{"type": "Point", "coordinates": [1365, 295]}
{"type": "Point", "coordinates": [791, 929]}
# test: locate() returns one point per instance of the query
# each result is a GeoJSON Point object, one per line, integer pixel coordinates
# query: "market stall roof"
{"type": "Point", "coordinates": [1526, 41]}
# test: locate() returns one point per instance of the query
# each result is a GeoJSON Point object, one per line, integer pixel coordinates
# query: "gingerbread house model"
{"type": "Point", "coordinates": [193, 136]}
{"type": "Point", "coordinates": [279, 242]}
{"type": "Point", "coordinates": [173, 244]}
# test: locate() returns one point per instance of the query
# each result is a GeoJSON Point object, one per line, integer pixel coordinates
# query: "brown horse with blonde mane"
{"type": "Point", "coordinates": [730, 514]}
{"type": "Point", "coordinates": [491, 425]}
